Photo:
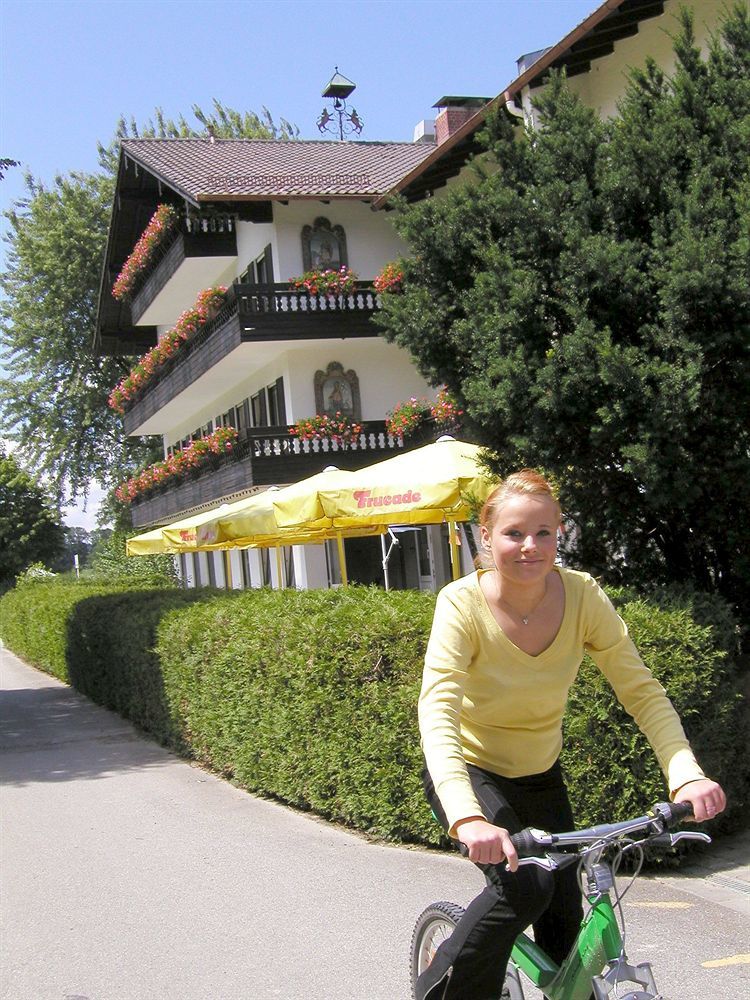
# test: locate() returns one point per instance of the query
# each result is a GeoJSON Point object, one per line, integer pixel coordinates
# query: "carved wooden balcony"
{"type": "Point", "coordinates": [251, 313]}
{"type": "Point", "coordinates": [193, 256]}
{"type": "Point", "coordinates": [264, 456]}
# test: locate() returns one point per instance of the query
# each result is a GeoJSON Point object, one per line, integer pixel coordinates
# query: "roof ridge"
{"type": "Point", "coordinates": [274, 142]}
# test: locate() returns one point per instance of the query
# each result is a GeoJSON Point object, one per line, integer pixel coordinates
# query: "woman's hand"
{"type": "Point", "coordinates": [707, 797]}
{"type": "Point", "coordinates": [488, 844]}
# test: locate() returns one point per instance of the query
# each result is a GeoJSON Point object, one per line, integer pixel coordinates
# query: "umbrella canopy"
{"type": "Point", "coordinates": [256, 525]}
{"type": "Point", "coordinates": [250, 523]}
{"type": "Point", "coordinates": [255, 522]}
{"type": "Point", "coordinates": [440, 482]}
{"type": "Point", "coordinates": [184, 535]}
{"type": "Point", "coordinates": [149, 543]}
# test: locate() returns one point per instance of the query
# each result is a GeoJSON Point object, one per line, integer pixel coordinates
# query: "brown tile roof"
{"type": "Point", "coordinates": [202, 170]}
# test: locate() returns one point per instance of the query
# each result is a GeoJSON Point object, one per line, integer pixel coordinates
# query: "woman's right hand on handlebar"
{"type": "Point", "coordinates": [487, 844]}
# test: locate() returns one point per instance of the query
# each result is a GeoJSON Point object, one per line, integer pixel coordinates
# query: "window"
{"type": "Point", "coordinates": [247, 580]}
{"type": "Point", "coordinates": [289, 578]}
{"type": "Point", "coordinates": [211, 569]}
{"type": "Point", "coordinates": [265, 567]}
{"type": "Point", "coordinates": [242, 415]}
{"type": "Point", "coordinates": [258, 406]}
{"type": "Point", "coordinates": [260, 270]}
{"type": "Point", "coordinates": [276, 404]}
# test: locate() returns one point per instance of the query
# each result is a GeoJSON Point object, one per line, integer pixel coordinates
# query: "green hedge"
{"type": "Point", "coordinates": [310, 697]}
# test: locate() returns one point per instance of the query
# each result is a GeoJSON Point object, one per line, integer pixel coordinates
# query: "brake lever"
{"type": "Point", "coordinates": [670, 839]}
{"type": "Point", "coordinates": [550, 862]}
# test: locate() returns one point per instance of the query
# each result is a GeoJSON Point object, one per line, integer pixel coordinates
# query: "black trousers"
{"type": "Point", "coordinates": [471, 964]}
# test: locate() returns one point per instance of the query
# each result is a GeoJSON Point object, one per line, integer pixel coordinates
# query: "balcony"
{"type": "Point", "coordinates": [194, 255]}
{"type": "Point", "coordinates": [265, 456]}
{"type": "Point", "coordinates": [219, 356]}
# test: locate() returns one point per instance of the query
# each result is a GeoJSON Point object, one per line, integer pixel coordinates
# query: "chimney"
{"type": "Point", "coordinates": [523, 62]}
{"type": "Point", "coordinates": [453, 113]}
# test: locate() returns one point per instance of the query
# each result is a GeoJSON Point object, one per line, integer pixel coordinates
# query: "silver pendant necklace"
{"type": "Point", "coordinates": [524, 618]}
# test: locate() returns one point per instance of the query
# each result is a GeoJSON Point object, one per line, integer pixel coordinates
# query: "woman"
{"type": "Point", "coordinates": [506, 645]}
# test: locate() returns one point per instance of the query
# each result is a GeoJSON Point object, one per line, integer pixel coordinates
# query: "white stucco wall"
{"type": "Point", "coordinates": [386, 377]}
{"type": "Point", "coordinates": [252, 240]}
{"type": "Point", "coordinates": [605, 83]}
{"type": "Point", "coordinates": [371, 240]}
{"type": "Point", "coordinates": [385, 372]}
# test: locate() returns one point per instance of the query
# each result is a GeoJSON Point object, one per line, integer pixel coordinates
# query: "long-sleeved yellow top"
{"type": "Point", "coordinates": [486, 702]}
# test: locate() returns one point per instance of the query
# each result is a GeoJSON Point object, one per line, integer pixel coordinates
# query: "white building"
{"type": "Point", "coordinates": [254, 213]}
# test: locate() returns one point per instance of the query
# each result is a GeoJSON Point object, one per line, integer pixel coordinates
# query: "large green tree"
{"type": "Point", "coordinates": [30, 528]}
{"type": "Point", "coordinates": [53, 396]}
{"type": "Point", "coordinates": [586, 297]}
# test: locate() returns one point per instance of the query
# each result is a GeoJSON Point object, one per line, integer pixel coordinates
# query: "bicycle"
{"type": "Point", "coordinates": [596, 964]}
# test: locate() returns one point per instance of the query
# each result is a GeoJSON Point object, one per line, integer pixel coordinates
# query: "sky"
{"type": "Point", "coordinates": [70, 68]}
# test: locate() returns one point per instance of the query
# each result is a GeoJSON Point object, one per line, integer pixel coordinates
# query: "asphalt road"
{"type": "Point", "coordinates": [128, 874]}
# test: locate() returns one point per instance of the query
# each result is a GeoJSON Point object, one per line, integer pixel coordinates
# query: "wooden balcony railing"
{"type": "Point", "coordinates": [253, 313]}
{"type": "Point", "coordinates": [205, 235]}
{"type": "Point", "coordinates": [264, 456]}
{"type": "Point", "coordinates": [255, 300]}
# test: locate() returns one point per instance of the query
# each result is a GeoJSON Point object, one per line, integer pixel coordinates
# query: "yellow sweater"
{"type": "Point", "coordinates": [486, 702]}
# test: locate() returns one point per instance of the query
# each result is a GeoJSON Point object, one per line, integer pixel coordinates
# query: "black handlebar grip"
{"type": "Point", "coordinates": [680, 811]}
{"type": "Point", "coordinates": [525, 844]}
{"type": "Point", "coordinates": [674, 812]}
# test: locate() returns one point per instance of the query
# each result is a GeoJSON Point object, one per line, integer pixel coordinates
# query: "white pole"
{"type": "Point", "coordinates": [386, 554]}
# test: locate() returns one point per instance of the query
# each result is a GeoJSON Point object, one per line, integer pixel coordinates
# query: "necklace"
{"type": "Point", "coordinates": [524, 618]}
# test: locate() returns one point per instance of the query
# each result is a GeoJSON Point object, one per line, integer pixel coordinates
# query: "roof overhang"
{"type": "Point", "coordinates": [593, 38]}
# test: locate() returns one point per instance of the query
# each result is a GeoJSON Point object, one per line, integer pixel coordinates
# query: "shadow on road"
{"type": "Point", "coordinates": [52, 733]}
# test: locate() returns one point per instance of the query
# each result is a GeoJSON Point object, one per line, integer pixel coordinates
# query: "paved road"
{"type": "Point", "coordinates": [129, 874]}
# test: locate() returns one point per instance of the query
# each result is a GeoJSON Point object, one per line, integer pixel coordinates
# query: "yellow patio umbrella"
{"type": "Point", "coordinates": [180, 535]}
{"type": "Point", "coordinates": [440, 482]}
{"type": "Point", "coordinates": [205, 532]}
{"type": "Point", "coordinates": [149, 543]}
{"type": "Point", "coordinates": [255, 524]}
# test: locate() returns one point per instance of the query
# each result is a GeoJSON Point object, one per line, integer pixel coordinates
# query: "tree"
{"type": "Point", "coordinates": [77, 542]}
{"type": "Point", "coordinates": [30, 528]}
{"type": "Point", "coordinates": [5, 164]}
{"type": "Point", "coordinates": [54, 395]}
{"type": "Point", "coordinates": [586, 299]}
{"type": "Point", "coordinates": [110, 562]}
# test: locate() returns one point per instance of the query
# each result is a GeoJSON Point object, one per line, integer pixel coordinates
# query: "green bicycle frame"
{"type": "Point", "coordinates": [598, 942]}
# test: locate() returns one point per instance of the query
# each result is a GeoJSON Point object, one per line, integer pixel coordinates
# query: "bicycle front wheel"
{"type": "Point", "coordinates": [434, 925]}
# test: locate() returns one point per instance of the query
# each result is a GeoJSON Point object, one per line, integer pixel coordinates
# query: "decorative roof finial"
{"type": "Point", "coordinates": [338, 89]}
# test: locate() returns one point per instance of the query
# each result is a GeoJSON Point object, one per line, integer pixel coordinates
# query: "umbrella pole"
{"type": "Point", "coordinates": [386, 553]}
{"type": "Point", "coordinates": [455, 555]}
{"type": "Point", "coordinates": [342, 559]}
{"type": "Point", "coordinates": [279, 568]}
{"type": "Point", "coordinates": [228, 569]}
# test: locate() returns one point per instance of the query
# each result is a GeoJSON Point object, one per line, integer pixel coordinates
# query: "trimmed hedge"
{"type": "Point", "coordinates": [310, 696]}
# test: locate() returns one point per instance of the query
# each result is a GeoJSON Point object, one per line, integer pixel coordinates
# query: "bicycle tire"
{"type": "Point", "coordinates": [434, 925]}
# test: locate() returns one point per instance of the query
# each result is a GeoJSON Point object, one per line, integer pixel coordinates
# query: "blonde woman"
{"type": "Point", "coordinates": [506, 645]}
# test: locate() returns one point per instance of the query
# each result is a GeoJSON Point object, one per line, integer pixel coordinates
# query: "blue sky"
{"type": "Point", "coordinates": [70, 68]}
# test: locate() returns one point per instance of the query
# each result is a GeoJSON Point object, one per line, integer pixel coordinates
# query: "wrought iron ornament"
{"type": "Point", "coordinates": [343, 120]}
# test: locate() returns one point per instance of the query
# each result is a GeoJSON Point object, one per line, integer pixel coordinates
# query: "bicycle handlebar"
{"type": "Point", "coordinates": [663, 816]}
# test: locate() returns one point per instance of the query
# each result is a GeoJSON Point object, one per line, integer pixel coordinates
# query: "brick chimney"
{"type": "Point", "coordinates": [453, 113]}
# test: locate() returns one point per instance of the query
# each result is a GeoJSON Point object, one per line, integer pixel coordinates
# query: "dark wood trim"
{"type": "Point", "coordinates": [264, 457]}
{"type": "Point", "coordinates": [180, 247]}
{"type": "Point", "coordinates": [255, 314]}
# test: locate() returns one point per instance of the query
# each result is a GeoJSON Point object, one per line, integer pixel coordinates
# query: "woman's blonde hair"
{"type": "Point", "coordinates": [526, 482]}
